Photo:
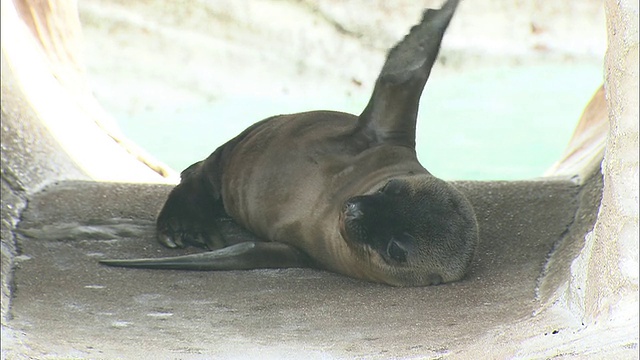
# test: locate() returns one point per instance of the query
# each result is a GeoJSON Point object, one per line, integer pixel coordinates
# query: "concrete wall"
{"type": "Point", "coordinates": [52, 128]}
{"type": "Point", "coordinates": [603, 287]}
{"type": "Point", "coordinates": [610, 258]}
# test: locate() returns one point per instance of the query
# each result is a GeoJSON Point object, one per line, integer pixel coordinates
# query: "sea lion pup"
{"type": "Point", "coordinates": [330, 190]}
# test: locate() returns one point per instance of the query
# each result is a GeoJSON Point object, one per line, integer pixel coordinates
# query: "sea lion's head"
{"type": "Point", "coordinates": [412, 231]}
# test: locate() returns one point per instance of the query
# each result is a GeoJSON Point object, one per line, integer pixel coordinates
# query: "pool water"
{"type": "Point", "coordinates": [494, 123]}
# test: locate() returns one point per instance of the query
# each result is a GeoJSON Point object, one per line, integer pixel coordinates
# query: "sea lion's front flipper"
{"type": "Point", "coordinates": [243, 256]}
{"type": "Point", "coordinates": [192, 213]}
{"type": "Point", "coordinates": [390, 116]}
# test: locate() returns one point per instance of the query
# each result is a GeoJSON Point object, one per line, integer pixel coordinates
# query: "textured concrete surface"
{"type": "Point", "coordinates": [66, 304]}
{"type": "Point", "coordinates": [31, 158]}
{"type": "Point", "coordinates": [616, 237]}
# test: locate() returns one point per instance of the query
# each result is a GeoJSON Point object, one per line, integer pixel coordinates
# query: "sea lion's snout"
{"type": "Point", "coordinates": [354, 221]}
{"type": "Point", "coordinates": [353, 210]}
{"type": "Point", "coordinates": [370, 221]}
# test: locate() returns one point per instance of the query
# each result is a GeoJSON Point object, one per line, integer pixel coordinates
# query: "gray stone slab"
{"type": "Point", "coordinates": [68, 305]}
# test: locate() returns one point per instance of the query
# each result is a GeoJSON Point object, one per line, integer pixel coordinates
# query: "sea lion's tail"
{"type": "Point", "coordinates": [243, 256]}
{"type": "Point", "coordinates": [391, 113]}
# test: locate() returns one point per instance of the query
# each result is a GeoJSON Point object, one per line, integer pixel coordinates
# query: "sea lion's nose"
{"type": "Point", "coordinates": [353, 209]}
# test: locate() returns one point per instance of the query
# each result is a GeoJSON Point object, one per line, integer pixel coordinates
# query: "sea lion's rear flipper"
{"type": "Point", "coordinates": [243, 256]}
{"type": "Point", "coordinates": [390, 116]}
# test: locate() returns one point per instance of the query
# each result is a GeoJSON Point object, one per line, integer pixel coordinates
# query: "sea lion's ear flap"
{"type": "Point", "coordinates": [391, 113]}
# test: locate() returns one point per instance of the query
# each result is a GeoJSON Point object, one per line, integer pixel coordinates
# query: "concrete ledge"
{"type": "Point", "coordinates": [69, 305]}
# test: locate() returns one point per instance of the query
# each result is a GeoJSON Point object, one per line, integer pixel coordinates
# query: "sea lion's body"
{"type": "Point", "coordinates": [330, 190]}
{"type": "Point", "coordinates": [312, 163]}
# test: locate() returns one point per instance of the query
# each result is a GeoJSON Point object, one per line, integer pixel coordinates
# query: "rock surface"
{"type": "Point", "coordinates": [67, 303]}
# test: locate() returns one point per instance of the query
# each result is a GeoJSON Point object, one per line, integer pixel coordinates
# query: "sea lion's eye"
{"type": "Point", "coordinates": [396, 251]}
{"type": "Point", "coordinates": [393, 187]}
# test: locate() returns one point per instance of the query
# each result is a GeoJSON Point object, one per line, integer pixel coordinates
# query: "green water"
{"type": "Point", "coordinates": [488, 124]}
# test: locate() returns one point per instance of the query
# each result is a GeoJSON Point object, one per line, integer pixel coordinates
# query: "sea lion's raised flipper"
{"type": "Point", "coordinates": [243, 256]}
{"type": "Point", "coordinates": [391, 113]}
